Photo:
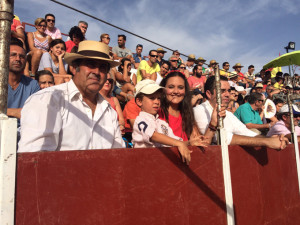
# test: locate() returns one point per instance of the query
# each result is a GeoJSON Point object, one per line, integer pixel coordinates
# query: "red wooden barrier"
{"type": "Point", "coordinates": [151, 186]}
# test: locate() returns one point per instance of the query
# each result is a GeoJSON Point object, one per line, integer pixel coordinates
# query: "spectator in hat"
{"type": "Point", "coordinates": [160, 53]}
{"type": "Point", "coordinates": [73, 115]}
{"type": "Point", "coordinates": [225, 71]}
{"type": "Point", "coordinates": [283, 126]}
{"type": "Point", "coordinates": [233, 79]}
{"type": "Point", "coordinates": [259, 88]}
{"type": "Point", "coordinates": [190, 63]}
{"type": "Point", "coordinates": [137, 57]}
{"type": "Point", "coordinates": [210, 71]}
{"type": "Point", "coordinates": [200, 61]}
{"type": "Point", "coordinates": [173, 62]}
{"type": "Point", "coordinates": [241, 78]}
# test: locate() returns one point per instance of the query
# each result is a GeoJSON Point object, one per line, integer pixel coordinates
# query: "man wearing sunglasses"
{"type": "Point", "coordinates": [173, 62]}
{"type": "Point", "coordinates": [148, 69]}
{"type": "Point", "coordinates": [51, 30]}
{"type": "Point", "coordinates": [283, 126]}
{"type": "Point", "coordinates": [249, 113]}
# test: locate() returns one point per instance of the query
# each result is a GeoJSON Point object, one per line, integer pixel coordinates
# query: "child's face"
{"type": "Point", "coordinates": [150, 103]}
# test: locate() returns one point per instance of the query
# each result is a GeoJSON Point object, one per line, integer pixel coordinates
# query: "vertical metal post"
{"type": "Point", "coordinates": [225, 154]}
{"type": "Point", "coordinates": [6, 17]}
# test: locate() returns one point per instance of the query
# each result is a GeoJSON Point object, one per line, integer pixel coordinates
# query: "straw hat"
{"type": "Point", "coordinates": [161, 50]}
{"type": "Point", "coordinates": [212, 62]}
{"type": "Point", "coordinates": [200, 59]}
{"type": "Point", "coordinates": [237, 65]}
{"type": "Point", "coordinates": [91, 50]}
{"type": "Point", "coordinates": [232, 74]}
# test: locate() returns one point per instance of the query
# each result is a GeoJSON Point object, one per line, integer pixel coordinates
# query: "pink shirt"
{"type": "Point", "coordinates": [196, 82]}
{"type": "Point", "coordinates": [280, 128]}
{"type": "Point", "coordinates": [54, 34]}
{"type": "Point", "coordinates": [144, 127]}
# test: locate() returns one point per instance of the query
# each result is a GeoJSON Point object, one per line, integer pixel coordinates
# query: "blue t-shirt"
{"type": "Point", "coordinates": [136, 57]}
{"type": "Point", "coordinates": [16, 98]}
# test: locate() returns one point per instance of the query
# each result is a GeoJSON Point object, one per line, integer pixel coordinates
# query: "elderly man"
{"type": "Point", "coordinates": [73, 115]}
{"type": "Point", "coordinates": [283, 126]}
{"type": "Point", "coordinates": [237, 132]}
{"type": "Point", "coordinates": [83, 27]}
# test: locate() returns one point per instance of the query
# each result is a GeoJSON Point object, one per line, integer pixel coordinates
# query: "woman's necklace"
{"type": "Point", "coordinates": [39, 35]}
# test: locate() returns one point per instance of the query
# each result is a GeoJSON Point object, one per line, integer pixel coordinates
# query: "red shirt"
{"type": "Point", "coordinates": [176, 124]}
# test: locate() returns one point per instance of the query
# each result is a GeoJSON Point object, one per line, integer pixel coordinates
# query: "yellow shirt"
{"type": "Point", "coordinates": [149, 69]}
{"type": "Point", "coordinates": [223, 73]}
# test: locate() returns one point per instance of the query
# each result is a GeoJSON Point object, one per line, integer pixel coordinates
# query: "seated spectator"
{"type": "Point", "coordinates": [137, 57]}
{"type": "Point", "coordinates": [259, 88]}
{"type": "Point", "coordinates": [241, 78]}
{"type": "Point", "coordinates": [200, 61]}
{"type": "Point", "coordinates": [190, 64]}
{"type": "Point", "coordinates": [249, 113]}
{"type": "Point", "coordinates": [279, 81]}
{"type": "Point", "coordinates": [283, 126]}
{"type": "Point", "coordinates": [173, 62]}
{"type": "Point", "coordinates": [210, 71]}
{"type": "Point", "coordinates": [233, 104]}
{"type": "Point", "coordinates": [250, 76]}
{"type": "Point", "coordinates": [164, 69]}
{"type": "Point", "coordinates": [45, 78]}
{"type": "Point", "coordinates": [177, 54]}
{"type": "Point", "coordinates": [104, 38]}
{"type": "Point", "coordinates": [76, 37]}
{"type": "Point", "coordinates": [121, 51]}
{"type": "Point", "coordinates": [148, 129]}
{"type": "Point", "coordinates": [130, 112]}
{"type": "Point", "coordinates": [278, 103]}
{"type": "Point", "coordinates": [53, 61]}
{"type": "Point", "coordinates": [176, 108]}
{"type": "Point", "coordinates": [236, 132]}
{"type": "Point", "coordinates": [106, 92]}
{"type": "Point", "coordinates": [225, 70]}
{"type": "Point", "coordinates": [20, 87]}
{"type": "Point", "coordinates": [148, 69]}
{"type": "Point", "coordinates": [197, 80]}
{"type": "Point", "coordinates": [124, 78]}
{"type": "Point", "coordinates": [38, 42]}
{"type": "Point", "coordinates": [160, 56]}
{"type": "Point", "coordinates": [51, 30]}
{"type": "Point", "coordinates": [182, 69]}
{"type": "Point", "coordinates": [17, 30]}
{"type": "Point", "coordinates": [83, 27]}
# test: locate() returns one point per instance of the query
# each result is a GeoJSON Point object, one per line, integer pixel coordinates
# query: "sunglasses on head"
{"type": "Point", "coordinates": [49, 20]}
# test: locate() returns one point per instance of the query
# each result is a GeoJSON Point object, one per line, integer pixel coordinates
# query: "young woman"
{"type": "Point", "coordinates": [176, 108]}
{"type": "Point", "coordinates": [38, 42]}
{"type": "Point", "coordinates": [124, 78]}
{"type": "Point", "coordinates": [233, 104]}
{"type": "Point", "coordinates": [182, 69]}
{"type": "Point", "coordinates": [53, 61]}
{"type": "Point", "coordinates": [113, 101]}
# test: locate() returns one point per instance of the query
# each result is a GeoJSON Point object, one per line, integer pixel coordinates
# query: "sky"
{"type": "Point", "coordinates": [237, 31]}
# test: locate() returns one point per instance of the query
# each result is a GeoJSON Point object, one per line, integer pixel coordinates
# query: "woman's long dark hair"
{"type": "Point", "coordinates": [120, 69]}
{"type": "Point", "coordinates": [55, 42]}
{"type": "Point", "coordinates": [185, 106]}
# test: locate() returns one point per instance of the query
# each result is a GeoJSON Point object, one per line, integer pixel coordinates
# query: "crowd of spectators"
{"type": "Point", "coordinates": [158, 101]}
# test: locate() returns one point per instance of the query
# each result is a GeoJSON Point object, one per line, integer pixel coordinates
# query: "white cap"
{"type": "Point", "coordinates": [285, 109]}
{"type": "Point", "coordinates": [239, 88]}
{"type": "Point", "coordinates": [146, 86]}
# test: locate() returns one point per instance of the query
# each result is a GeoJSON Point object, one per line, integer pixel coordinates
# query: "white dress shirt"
{"type": "Point", "coordinates": [232, 124]}
{"type": "Point", "coordinates": [57, 118]}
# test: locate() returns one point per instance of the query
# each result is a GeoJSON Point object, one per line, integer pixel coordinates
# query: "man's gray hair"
{"type": "Point", "coordinates": [83, 22]}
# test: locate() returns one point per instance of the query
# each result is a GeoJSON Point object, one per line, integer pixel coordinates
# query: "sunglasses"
{"type": "Point", "coordinates": [108, 38]}
{"type": "Point", "coordinates": [49, 20]}
{"type": "Point", "coordinates": [182, 67]}
{"type": "Point", "coordinates": [154, 56]}
{"type": "Point", "coordinates": [42, 25]}
{"type": "Point", "coordinates": [174, 60]}
{"type": "Point", "coordinates": [110, 80]}
{"type": "Point", "coordinates": [260, 100]}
